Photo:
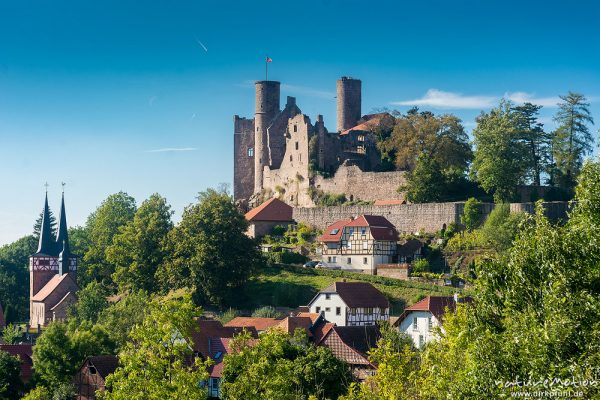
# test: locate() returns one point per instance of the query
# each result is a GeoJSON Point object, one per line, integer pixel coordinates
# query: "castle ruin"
{"type": "Point", "coordinates": [281, 153]}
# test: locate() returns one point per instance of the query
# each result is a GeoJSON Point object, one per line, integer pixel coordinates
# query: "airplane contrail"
{"type": "Point", "coordinates": [201, 44]}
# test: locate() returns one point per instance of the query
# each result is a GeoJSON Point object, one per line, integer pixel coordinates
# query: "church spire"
{"type": "Point", "coordinates": [62, 238]}
{"type": "Point", "coordinates": [45, 245]}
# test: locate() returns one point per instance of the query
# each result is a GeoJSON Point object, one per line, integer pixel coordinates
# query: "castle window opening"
{"type": "Point", "coordinates": [251, 152]}
{"type": "Point", "coordinates": [296, 130]}
{"type": "Point", "coordinates": [296, 145]}
{"type": "Point", "coordinates": [291, 158]}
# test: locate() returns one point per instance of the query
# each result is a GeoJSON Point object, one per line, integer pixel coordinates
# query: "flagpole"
{"type": "Point", "coordinates": [266, 68]}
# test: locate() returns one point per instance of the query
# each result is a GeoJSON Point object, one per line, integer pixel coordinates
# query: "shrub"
{"type": "Point", "coordinates": [267, 312]}
{"type": "Point", "coordinates": [420, 265]}
{"type": "Point", "coordinates": [278, 230]}
{"type": "Point", "coordinates": [228, 315]}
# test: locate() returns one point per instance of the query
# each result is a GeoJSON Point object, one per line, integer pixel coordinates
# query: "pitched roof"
{"type": "Point", "coordinates": [360, 338]}
{"type": "Point", "coordinates": [23, 351]}
{"type": "Point", "coordinates": [66, 296]}
{"type": "Point", "coordinates": [290, 324]}
{"type": "Point", "coordinates": [357, 294]}
{"type": "Point", "coordinates": [271, 210]}
{"type": "Point", "coordinates": [218, 348]}
{"type": "Point", "coordinates": [436, 305]}
{"type": "Point", "coordinates": [381, 228]}
{"type": "Point", "coordinates": [409, 248]}
{"type": "Point", "coordinates": [367, 123]}
{"type": "Point", "coordinates": [208, 329]}
{"type": "Point", "coordinates": [51, 286]}
{"type": "Point", "coordinates": [261, 324]}
{"type": "Point", "coordinates": [105, 365]}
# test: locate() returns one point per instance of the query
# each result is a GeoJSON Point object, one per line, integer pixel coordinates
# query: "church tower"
{"type": "Point", "coordinates": [49, 268]}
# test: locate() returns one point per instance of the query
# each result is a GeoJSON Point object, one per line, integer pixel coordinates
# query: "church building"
{"type": "Point", "coordinates": [52, 287]}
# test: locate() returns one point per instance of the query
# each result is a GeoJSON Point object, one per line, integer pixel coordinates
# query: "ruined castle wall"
{"type": "Point", "coordinates": [243, 157]}
{"type": "Point", "coordinates": [410, 218]}
{"type": "Point", "coordinates": [359, 185]}
{"type": "Point", "coordinates": [276, 138]}
{"type": "Point", "coordinates": [290, 182]}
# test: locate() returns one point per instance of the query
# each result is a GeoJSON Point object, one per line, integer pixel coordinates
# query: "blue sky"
{"type": "Point", "coordinates": [91, 91]}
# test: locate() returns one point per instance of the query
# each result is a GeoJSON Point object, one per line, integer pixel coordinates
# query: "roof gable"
{"type": "Point", "coordinates": [56, 283]}
{"type": "Point", "coordinates": [381, 228]}
{"type": "Point", "coordinates": [105, 365]}
{"type": "Point", "coordinates": [271, 210]}
{"type": "Point", "coordinates": [436, 305]}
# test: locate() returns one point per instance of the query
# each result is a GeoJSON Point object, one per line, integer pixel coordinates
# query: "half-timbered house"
{"type": "Point", "coordinates": [359, 244]}
{"type": "Point", "coordinates": [351, 304]}
{"type": "Point", "coordinates": [92, 375]}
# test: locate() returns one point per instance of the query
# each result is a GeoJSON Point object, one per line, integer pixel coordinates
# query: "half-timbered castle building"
{"type": "Point", "coordinates": [52, 271]}
{"type": "Point", "coordinates": [360, 244]}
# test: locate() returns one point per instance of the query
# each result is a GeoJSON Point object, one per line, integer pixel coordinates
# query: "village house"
{"type": "Point", "coordinates": [351, 304]}
{"type": "Point", "coordinates": [420, 320]}
{"type": "Point", "coordinates": [268, 215]}
{"type": "Point", "coordinates": [92, 375]}
{"type": "Point", "coordinates": [359, 244]}
{"type": "Point", "coordinates": [24, 352]}
{"type": "Point", "coordinates": [410, 251]}
{"type": "Point", "coordinates": [259, 323]}
{"type": "Point", "coordinates": [52, 271]}
{"type": "Point", "coordinates": [351, 345]}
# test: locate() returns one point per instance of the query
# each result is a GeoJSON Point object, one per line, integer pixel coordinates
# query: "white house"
{"type": "Point", "coordinates": [359, 244]}
{"type": "Point", "coordinates": [351, 304]}
{"type": "Point", "coordinates": [420, 320]}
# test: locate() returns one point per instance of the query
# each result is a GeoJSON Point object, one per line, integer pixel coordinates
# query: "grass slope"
{"type": "Point", "coordinates": [288, 286]}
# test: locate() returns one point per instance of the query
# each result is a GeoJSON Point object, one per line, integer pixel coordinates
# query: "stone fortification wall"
{"type": "Point", "coordinates": [359, 185]}
{"type": "Point", "coordinates": [410, 218]}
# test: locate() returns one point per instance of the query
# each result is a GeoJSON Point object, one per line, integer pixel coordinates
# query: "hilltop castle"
{"type": "Point", "coordinates": [280, 153]}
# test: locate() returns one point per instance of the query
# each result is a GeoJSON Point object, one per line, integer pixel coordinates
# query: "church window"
{"type": "Point", "coordinates": [251, 152]}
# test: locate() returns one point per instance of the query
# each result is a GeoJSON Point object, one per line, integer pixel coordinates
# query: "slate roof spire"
{"type": "Point", "coordinates": [62, 238]}
{"type": "Point", "coordinates": [46, 243]}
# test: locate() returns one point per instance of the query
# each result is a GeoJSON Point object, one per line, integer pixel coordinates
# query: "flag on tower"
{"type": "Point", "coordinates": [269, 59]}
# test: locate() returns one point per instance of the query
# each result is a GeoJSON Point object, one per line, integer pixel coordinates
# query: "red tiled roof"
{"type": "Point", "coordinates": [261, 324]}
{"type": "Point", "coordinates": [23, 351]}
{"type": "Point", "coordinates": [271, 210]}
{"type": "Point", "coordinates": [313, 316]}
{"type": "Point", "coordinates": [381, 228]}
{"type": "Point", "coordinates": [208, 328]}
{"type": "Point", "coordinates": [48, 289]}
{"type": "Point", "coordinates": [391, 202]}
{"type": "Point", "coordinates": [337, 227]}
{"type": "Point", "coordinates": [105, 365]}
{"type": "Point", "coordinates": [322, 331]}
{"type": "Point", "coordinates": [358, 294]}
{"type": "Point", "coordinates": [367, 123]}
{"type": "Point", "coordinates": [436, 305]}
{"type": "Point", "coordinates": [218, 347]}
{"type": "Point", "coordinates": [290, 324]}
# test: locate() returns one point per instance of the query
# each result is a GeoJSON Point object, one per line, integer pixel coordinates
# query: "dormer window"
{"type": "Point", "coordinates": [334, 231]}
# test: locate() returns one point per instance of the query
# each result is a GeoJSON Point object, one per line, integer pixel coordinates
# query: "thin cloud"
{"type": "Point", "coordinates": [439, 99]}
{"type": "Point", "coordinates": [201, 44]}
{"type": "Point", "coordinates": [171, 149]}
{"type": "Point", "coordinates": [523, 97]}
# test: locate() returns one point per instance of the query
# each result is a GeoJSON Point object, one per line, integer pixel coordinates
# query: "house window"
{"type": "Point", "coordinates": [251, 152]}
{"type": "Point", "coordinates": [365, 261]}
{"type": "Point", "coordinates": [327, 309]}
{"type": "Point", "coordinates": [349, 260]}
{"type": "Point", "coordinates": [318, 310]}
{"type": "Point", "coordinates": [334, 260]}
{"type": "Point", "coordinates": [92, 370]}
{"type": "Point", "coordinates": [296, 145]}
{"type": "Point", "coordinates": [365, 245]}
{"type": "Point", "coordinates": [361, 138]}
{"type": "Point", "coordinates": [429, 323]}
{"type": "Point", "coordinates": [363, 231]}
{"type": "Point", "coordinates": [338, 311]}
{"type": "Point", "coordinates": [327, 296]}
{"type": "Point", "coordinates": [329, 259]}
{"type": "Point", "coordinates": [353, 311]}
{"type": "Point", "coordinates": [414, 323]}
{"type": "Point", "coordinates": [351, 231]}
{"type": "Point", "coordinates": [420, 341]}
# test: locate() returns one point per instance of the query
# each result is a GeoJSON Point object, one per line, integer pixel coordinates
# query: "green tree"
{"type": "Point", "coordinates": [119, 318]}
{"type": "Point", "coordinates": [267, 312]}
{"type": "Point", "coordinates": [61, 349]}
{"type": "Point", "coordinates": [38, 224]}
{"type": "Point", "coordinates": [102, 225]}
{"type": "Point", "coordinates": [10, 377]}
{"type": "Point", "coordinates": [139, 248]}
{"type": "Point", "coordinates": [64, 391]}
{"type": "Point", "coordinates": [471, 215]}
{"type": "Point", "coordinates": [209, 250]}
{"type": "Point", "coordinates": [572, 139]}
{"type": "Point", "coordinates": [535, 139]}
{"type": "Point", "coordinates": [11, 334]}
{"type": "Point", "coordinates": [426, 183]}
{"type": "Point", "coordinates": [91, 301]}
{"type": "Point", "coordinates": [14, 278]}
{"type": "Point", "coordinates": [500, 161]}
{"type": "Point", "coordinates": [155, 364]}
{"type": "Point", "coordinates": [280, 366]}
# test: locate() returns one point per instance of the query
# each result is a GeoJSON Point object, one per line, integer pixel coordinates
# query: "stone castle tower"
{"type": "Point", "coordinates": [52, 270]}
{"type": "Point", "coordinates": [281, 153]}
{"type": "Point", "coordinates": [348, 102]}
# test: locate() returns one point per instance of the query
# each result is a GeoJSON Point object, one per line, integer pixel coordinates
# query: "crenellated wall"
{"type": "Point", "coordinates": [411, 218]}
